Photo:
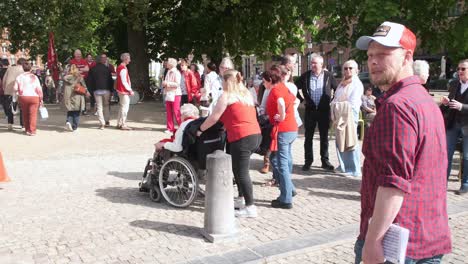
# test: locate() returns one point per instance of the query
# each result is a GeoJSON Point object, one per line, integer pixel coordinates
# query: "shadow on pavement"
{"type": "Point", "coordinates": [126, 175]}
{"type": "Point", "coordinates": [354, 197]}
{"type": "Point", "coordinates": [333, 183]}
{"type": "Point", "coordinates": [176, 229]}
{"type": "Point", "coordinates": [134, 196]}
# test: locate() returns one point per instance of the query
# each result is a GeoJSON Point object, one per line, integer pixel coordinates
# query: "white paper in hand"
{"type": "Point", "coordinates": [395, 243]}
{"type": "Point", "coordinates": [43, 112]}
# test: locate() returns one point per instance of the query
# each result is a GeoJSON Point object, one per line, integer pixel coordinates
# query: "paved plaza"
{"type": "Point", "coordinates": [74, 198]}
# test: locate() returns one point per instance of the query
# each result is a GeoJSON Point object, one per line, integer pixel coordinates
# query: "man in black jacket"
{"type": "Point", "coordinates": [455, 110]}
{"type": "Point", "coordinates": [100, 81]}
{"type": "Point", "coordinates": [317, 86]}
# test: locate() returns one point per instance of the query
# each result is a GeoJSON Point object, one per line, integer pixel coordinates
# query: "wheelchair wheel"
{"type": "Point", "coordinates": [178, 182]}
{"type": "Point", "coordinates": [155, 194]}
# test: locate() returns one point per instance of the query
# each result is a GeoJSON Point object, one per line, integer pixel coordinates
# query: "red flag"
{"type": "Point", "coordinates": [52, 58]}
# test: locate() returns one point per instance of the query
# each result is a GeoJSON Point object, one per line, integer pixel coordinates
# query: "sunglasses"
{"type": "Point", "coordinates": [461, 69]}
{"type": "Point", "coordinates": [348, 68]}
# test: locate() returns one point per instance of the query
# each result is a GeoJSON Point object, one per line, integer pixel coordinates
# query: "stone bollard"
{"type": "Point", "coordinates": [219, 201]}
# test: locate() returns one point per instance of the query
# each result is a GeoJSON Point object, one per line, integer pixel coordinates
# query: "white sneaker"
{"type": "Point", "coordinates": [68, 126]}
{"type": "Point", "coordinates": [239, 203]}
{"type": "Point", "coordinates": [249, 211]}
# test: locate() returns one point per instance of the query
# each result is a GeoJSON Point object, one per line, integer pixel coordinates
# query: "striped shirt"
{"type": "Point", "coordinates": [316, 87]}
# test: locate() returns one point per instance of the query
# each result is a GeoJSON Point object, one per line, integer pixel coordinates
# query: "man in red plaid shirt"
{"type": "Point", "coordinates": [404, 175]}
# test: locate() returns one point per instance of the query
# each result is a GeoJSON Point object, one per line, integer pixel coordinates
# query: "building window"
{"type": "Point", "coordinates": [456, 10]}
{"type": "Point", "coordinates": [4, 49]}
{"type": "Point", "coordinates": [12, 60]}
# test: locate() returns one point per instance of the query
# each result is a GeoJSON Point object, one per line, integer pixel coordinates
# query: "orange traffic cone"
{"type": "Point", "coordinates": [3, 173]}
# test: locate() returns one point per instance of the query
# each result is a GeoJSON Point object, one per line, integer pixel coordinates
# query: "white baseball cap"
{"type": "Point", "coordinates": [389, 34]}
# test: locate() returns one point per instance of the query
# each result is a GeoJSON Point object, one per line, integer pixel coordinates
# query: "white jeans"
{"type": "Point", "coordinates": [123, 109]}
{"type": "Point", "coordinates": [102, 104]}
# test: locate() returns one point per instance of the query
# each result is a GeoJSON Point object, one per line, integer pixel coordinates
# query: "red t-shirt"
{"type": "Point", "coordinates": [240, 121]}
{"type": "Point", "coordinates": [281, 91]}
{"type": "Point", "coordinates": [81, 65]}
{"type": "Point", "coordinates": [91, 64]}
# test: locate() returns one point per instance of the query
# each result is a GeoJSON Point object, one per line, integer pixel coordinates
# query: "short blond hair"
{"type": "Point", "coordinates": [172, 62]}
{"type": "Point", "coordinates": [421, 67]}
{"type": "Point", "coordinates": [189, 110]}
{"type": "Point", "coordinates": [227, 63]}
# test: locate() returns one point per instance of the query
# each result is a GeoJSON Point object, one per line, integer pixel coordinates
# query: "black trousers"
{"type": "Point", "coordinates": [311, 120]}
{"type": "Point", "coordinates": [7, 104]}
{"type": "Point", "coordinates": [183, 100]}
{"type": "Point", "coordinates": [240, 156]}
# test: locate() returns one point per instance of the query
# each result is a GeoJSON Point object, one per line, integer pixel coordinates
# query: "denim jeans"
{"type": "Point", "coordinates": [73, 117]}
{"type": "Point", "coordinates": [281, 162]}
{"type": "Point", "coordinates": [350, 161]}
{"type": "Point", "coordinates": [453, 135]}
{"type": "Point", "coordinates": [360, 245]}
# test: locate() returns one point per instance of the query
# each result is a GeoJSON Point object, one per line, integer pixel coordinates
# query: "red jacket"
{"type": "Point", "coordinates": [191, 84]}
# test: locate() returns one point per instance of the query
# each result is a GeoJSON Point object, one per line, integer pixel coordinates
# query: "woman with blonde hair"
{"type": "Point", "coordinates": [345, 108]}
{"type": "Point", "coordinates": [235, 108]}
{"type": "Point", "coordinates": [74, 100]}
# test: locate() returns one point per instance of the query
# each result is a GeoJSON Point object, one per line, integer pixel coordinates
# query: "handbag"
{"type": "Point", "coordinates": [79, 89]}
{"type": "Point", "coordinates": [43, 112]}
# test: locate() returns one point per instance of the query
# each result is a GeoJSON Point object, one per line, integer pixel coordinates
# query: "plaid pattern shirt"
{"type": "Point", "coordinates": [316, 87]}
{"type": "Point", "coordinates": [405, 148]}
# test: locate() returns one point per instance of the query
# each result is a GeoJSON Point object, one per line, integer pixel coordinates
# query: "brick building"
{"type": "Point", "coordinates": [5, 51]}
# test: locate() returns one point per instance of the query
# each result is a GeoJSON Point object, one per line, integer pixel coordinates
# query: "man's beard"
{"type": "Point", "coordinates": [386, 79]}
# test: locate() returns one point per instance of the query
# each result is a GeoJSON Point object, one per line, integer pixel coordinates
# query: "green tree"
{"type": "Point", "coordinates": [237, 27]}
{"type": "Point", "coordinates": [348, 20]}
{"type": "Point", "coordinates": [73, 22]}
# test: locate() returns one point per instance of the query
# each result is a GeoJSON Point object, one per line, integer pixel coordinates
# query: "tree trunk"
{"type": "Point", "coordinates": [138, 67]}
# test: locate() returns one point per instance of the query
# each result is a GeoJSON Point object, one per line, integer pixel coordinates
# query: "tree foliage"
{"type": "Point", "coordinates": [155, 29]}
{"type": "Point", "coordinates": [237, 27]}
{"type": "Point", "coordinates": [73, 22]}
{"type": "Point", "coordinates": [346, 20]}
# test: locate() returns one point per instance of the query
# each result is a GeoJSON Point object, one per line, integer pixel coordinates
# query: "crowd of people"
{"type": "Point", "coordinates": [82, 81]}
{"type": "Point", "coordinates": [408, 146]}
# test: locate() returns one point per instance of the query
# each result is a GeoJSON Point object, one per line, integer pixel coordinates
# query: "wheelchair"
{"type": "Point", "coordinates": [175, 176]}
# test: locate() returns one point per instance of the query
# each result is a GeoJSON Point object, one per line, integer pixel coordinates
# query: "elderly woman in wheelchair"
{"type": "Point", "coordinates": [177, 163]}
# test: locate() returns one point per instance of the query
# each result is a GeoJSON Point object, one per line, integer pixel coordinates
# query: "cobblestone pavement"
{"type": "Point", "coordinates": [74, 199]}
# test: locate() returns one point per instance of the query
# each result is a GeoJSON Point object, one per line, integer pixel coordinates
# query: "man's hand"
{"type": "Point", "coordinates": [372, 253]}
{"type": "Point", "coordinates": [159, 146]}
{"type": "Point", "coordinates": [444, 100]}
{"type": "Point", "coordinates": [455, 105]}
